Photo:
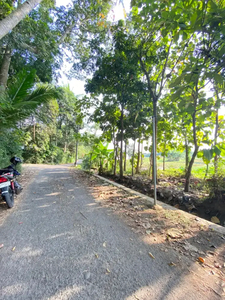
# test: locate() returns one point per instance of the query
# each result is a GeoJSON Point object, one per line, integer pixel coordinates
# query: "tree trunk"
{"type": "Point", "coordinates": [186, 154]}
{"type": "Point", "coordinates": [4, 70]}
{"type": "Point", "coordinates": [138, 158]}
{"type": "Point", "coordinates": [121, 148]}
{"type": "Point", "coordinates": [125, 156]}
{"type": "Point", "coordinates": [115, 162]}
{"type": "Point", "coordinates": [100, 167]}
{"type": "Point", "coordinates": [114, 149]}
{"type": "Point", "coordinates": [155, 115]}
{"type": "Point", "coordinates": [216, 131]}
{"type": "Point", "coordinates": [76, 153]}
{"type": "Point", "coordinates": [164, 157]}
{"type": "Point", "coordinates": [133, 159]}
{"type": "Point", "coordinates": [34, 133]}
{"type": "Point", "coordinates": [150, 161]}
{"type": "Point", "coordinates": [142, 148]}
{"type": "Point", "coordinates": [150, 165]}
{"type": "Point", "coordinates": [188, 173]}
{"type": "Point", "coordinates": [215, 143]}
{"type": "Point", "coordinates": [9, 22]}
{"type": "Point", "coordinates": [65, 145]}
{"type": "Point", "coordinates": [206, 172]}
{"type": "Point", "coordinates": [164, 161]}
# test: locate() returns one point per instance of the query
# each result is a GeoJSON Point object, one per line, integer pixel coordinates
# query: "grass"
{"type": "Point", "coordinates": [174, 168]}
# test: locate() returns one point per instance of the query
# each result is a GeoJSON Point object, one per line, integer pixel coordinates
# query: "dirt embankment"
{"type": "Point", "coordinates": [170, 191]}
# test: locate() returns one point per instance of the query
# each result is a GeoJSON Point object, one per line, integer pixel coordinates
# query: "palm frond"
{"type": "Point", "coordinates": [19, 110]}
{"type": "Point", "coordinates": [21, 88]}
{"type": "Point", "coordinates": [42, 94]}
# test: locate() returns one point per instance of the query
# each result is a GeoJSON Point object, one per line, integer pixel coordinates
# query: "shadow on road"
{"type": "Point", "coordinates": [70, 247]}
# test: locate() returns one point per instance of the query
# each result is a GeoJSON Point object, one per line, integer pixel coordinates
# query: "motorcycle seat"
{"type": "Point", "coordinates": [3, 171]}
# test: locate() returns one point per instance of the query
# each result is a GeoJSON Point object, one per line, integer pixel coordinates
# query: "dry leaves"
{"type": "Point", "coordinates": [151, 255]}
{"type": "Point", "coordinates": [201, 260]}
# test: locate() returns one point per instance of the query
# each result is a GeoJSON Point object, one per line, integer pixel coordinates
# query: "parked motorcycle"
{"type": "Point", "coordinates": [8, 184]}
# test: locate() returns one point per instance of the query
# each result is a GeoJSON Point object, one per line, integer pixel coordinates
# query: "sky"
{"type": "Point", "coordinates": [77, 86]}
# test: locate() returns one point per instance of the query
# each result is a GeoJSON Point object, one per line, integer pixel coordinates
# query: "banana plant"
{"type": "Point", "coordinates": [208, 154]}
{"type": "Point", "coordinates": [101, 153]}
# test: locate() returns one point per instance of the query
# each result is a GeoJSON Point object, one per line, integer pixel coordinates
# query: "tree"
{"type": "Point", "coordinates": [117, 75]}
{"type": "Point", "coordinates": [11, 20]}
{"type": "Point", "coordinates": [22, 98]}
{"type": "Point", "coordinates": [56, 32]}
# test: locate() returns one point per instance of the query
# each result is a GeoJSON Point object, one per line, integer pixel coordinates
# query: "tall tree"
{"type": "Point", "coordinates": [17, 15]}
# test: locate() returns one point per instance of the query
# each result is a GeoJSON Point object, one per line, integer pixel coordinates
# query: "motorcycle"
{"type": "Point", "coordinates": [8, 184]}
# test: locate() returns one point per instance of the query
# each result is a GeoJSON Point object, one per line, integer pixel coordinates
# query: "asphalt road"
{"type": "Point", "coordinates": [60, 244]}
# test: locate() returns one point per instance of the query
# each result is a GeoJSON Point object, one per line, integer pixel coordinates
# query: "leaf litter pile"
{"type": "Point", "coordinates": [198, 249]}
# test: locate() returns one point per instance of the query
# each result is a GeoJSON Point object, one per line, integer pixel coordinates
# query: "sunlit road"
{"type": "Point", "coordinates": [60, 244]}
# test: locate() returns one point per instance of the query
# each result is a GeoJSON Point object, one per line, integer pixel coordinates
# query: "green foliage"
{"type": "Point", "coordinates": [10, 145]}
{"type": "Point", "coordinates": [22, 98]}
{"type": "Point", "coordinates": [174, 155]}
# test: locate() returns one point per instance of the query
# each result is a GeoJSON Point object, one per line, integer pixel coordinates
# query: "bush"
{"type": "Point", "coordinates": [10, 145]}
{"type": "Point", "coordinates": [174, 155]}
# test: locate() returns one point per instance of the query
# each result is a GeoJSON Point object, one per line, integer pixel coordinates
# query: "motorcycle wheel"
{"type": "Point", "coordinates": [9, 198]}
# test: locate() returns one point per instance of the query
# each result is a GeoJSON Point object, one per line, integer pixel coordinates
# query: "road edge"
{"type": "Point", "coordinates": [150, 201]}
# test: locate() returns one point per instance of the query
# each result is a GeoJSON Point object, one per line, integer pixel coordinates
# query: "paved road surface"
{"type": "Point", "coordinates": [69, 247]}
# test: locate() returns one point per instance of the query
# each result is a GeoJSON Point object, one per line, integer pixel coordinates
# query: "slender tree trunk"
{"type": "Point", "coordinates": [138, 158]}
{"type": "Point", "coordinates": [206, 172]}
{"type": "Point", "coordinates": [125, 156]}
{"type": "Point", "coordinates": [215, 143]}
{"type": "Point", "coordinates": [114, 149]}
{"type": "Point", "coordinates": [34, 133]}
{"type": "Point", "coordinates": [76, 153]}
{"type": "Point", "coordinates": [115, 162]}
{"type": "Point", "coordinates": [150, 165]}
{"type": "Point", "coordinates": [186, 154]}
{"type": "Point", "coordinates": [133, 158]}
{"type": "Point", "coordinates": [196, 147]}
{"type": "Point", "coordinates": [142, 148]}
{"type": "Point", "coordinates": [150, 161]}
{"type": "Point", "coordinates": [90, 162]}
{"type": "Point", "coordinates": [4, 70]}
{"type": "Point", "coordinates": [164, 157]}
{"type": "Point", "coordinates": [65, 144]}
{"type": "Point", "coordinates": [100, 166]}
{"type": "Point", "coordinates": [216, 131]}
{"type": "Point", "coordinates": [164, 161]}
{"type": "Point", "coordinates": [121, 147]}
{"type": "Point", "coordinates": [9, 22]}
{"type": "Point", "coordinates": [155, 115]}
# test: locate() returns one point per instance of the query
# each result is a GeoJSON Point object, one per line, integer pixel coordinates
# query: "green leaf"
{"type": "Point", "coordinates": [176, 37]}
{"type": "Point", "coordinates": [217, 150]}
{"type": "Point", "coordinates": [218, 78]}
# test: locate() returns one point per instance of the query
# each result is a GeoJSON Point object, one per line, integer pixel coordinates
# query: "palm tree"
{"type": "Point", "coordinates": [22, 98]}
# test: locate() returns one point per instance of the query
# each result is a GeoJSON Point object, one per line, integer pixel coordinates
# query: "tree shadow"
{"type": "Point", "coordinates": [74, 248]}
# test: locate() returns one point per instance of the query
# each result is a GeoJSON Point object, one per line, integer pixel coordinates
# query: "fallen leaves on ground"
{"type": "Point", "coordinates": [151, 255]}
{"type": "Point", "coordinates": [168, 229]}
{"type": "Point", "coordinates": [202, 260]}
